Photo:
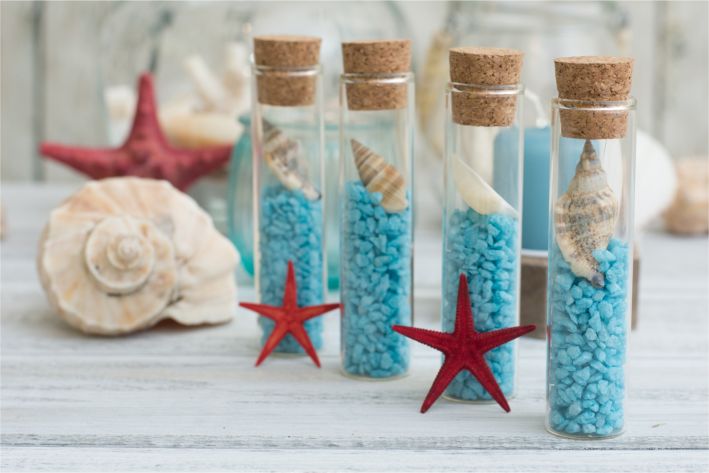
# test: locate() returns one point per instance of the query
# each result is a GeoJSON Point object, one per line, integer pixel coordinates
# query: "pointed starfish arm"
{"type": "Point", "coordinates": [438, 340]}
{"type": "Point", "coordinates": [278, 333]}
{"type": "Point", "coordinates": [450, 368]}
{"type": "Point", "coordinates": [290, 294]}
{"type": "Point", "coordinates": [307, 313]}
{"type": "Point", "coordinates": [96, 163]}
{"type": "Point", "coordinates": [489, 340]}
{"type": "Point", "coordinates": [482, 373]}
{"type": "Point", "coordinates": [463, 312]}
{"type": "Point", "coordinates": [302, 337]}
{"type": "Point", "coordinates": [272, 312]}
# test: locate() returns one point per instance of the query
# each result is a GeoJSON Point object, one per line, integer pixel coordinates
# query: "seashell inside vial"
{"type": "Point", "coordinates": [283, 157]}
{"type": "Point", "coordinates": [379, 176]}
{"type": "Point", "coordinates": [585, 216]}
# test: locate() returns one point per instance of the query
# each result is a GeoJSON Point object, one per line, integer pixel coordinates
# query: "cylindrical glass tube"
{"type": "Point", "coordinates": [481, 222]}
{"type": "Point", "coordinates": [287, 149]}
{"type": "Point", "coordinates": [590, 269]}
{"type": "Point", "coordinates": [376, 226]}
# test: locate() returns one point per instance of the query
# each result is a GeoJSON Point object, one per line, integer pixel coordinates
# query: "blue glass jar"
{"type": "Point", "coordinates": [376, 207]}
{"type": "Point", "coordinates": [287, 139]}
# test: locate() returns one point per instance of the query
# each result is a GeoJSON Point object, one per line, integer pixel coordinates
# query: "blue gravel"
{"type": "Point", "coordinates": [376, 285]}
{"type": "Point", "coordinates": [290, 228]}
{"type": "Point", "coordinates": [588, 328]}
{"type": "Point", "coordinates": [485, 249]}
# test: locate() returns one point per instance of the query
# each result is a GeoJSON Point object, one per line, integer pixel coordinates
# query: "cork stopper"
{"type": "Point", "coordinates": [593, 78]}
{"type": "Point", "coordinates": [376, 57]}
{"type": "Point", "coordinates": [487, 67]}
{"type": "Point", "coordinates": [278, 86]}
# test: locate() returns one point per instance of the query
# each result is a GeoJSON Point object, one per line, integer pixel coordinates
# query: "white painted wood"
{"type": "Point", "coordinates": [190, 399]}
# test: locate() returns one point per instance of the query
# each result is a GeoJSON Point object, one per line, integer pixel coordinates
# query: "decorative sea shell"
{"type": "Point", "coordinates": [378, 176]}
{"type": "Point", "coordinates": [585, 216]}
{"type": "Point", "coordinates": [477, 193]}
{"type": "Point", "coordinates": [124, 253]}
{"type": "Point", "coordinates": [283, 157]}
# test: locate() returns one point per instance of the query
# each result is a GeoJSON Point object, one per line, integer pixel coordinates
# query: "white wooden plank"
{"type": "Point", "coordinates": [307, 460]}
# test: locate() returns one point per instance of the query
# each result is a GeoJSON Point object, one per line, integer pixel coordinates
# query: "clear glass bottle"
{"type": "Point", "coordinates": [376, 207]}
{"type": "Point", "coordinates": [483, 196]}
{"type": "Point", "coordinates": [287, 144]}
{"type": "Point", "coordinates": [590, 247]}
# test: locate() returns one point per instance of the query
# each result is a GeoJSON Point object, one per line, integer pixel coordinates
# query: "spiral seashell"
{"type": "Point", "coordinates": [585, 217]}
{"type": "Point", "coordinates": [124, 253]}
{"type": "Point", "coordinates": [477, 193]}
{"type": "Point", "coordinates": [282, 156]}
{"type": "Point", "coordinates": [378, 176]}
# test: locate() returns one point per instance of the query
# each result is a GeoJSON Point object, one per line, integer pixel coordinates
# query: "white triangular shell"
{"type": "Point", "coordinates": [124, 253]}
{"type": "Point", "coordinates": [477, 193]}
{"type": "Point", "coordinates": [585, 216]}
{"type": "Point", "coordinates": [379, 176]}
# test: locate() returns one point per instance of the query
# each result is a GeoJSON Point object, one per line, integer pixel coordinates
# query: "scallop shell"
{"type": "Point", "coordinates": [124, 253]}
{"type": "Point", "coordinates": [585, 216]}
{"type": "Point", "coordinates": [477, 193]}
{"type": "Point", "coordinates": [378, 176]}
{"type": "Point", "coordinates": [282, 156]}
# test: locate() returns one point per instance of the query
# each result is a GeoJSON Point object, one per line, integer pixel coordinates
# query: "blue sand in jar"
{"type": "Point", "coordinates": [587, 345]}
{"type": "Point", "coordinates": [376, 285]}
{"type": "Point", "coordinates": [484, 248]}
{"type": "Point", "coordinates": [290, 228]}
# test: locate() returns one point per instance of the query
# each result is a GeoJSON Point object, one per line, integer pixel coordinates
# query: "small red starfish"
{"type": "Point", "coordinates": [464, 349]}
{"type": "Point", "coordinates": [146, 152]}
{"type": "Point", "coordinates": [289, 318]}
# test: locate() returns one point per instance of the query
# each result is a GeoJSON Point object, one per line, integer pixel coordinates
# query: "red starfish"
{"type": "Point", "coordinates": [146, 152]}
{"type": "Point", "coordinates": [464, 349]}
{"type": "Point", "coordinates": [289, 318]}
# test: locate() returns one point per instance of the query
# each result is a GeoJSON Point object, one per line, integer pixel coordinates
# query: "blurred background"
{"type": "Point", "coordinates": [69, 71]}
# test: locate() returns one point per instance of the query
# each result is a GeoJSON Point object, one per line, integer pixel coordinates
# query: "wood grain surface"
{"type": "Point", "coordinates": [190, 399]}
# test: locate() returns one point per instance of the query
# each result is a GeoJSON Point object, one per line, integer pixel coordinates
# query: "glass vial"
{"type": "Point", "coordinates": [483, 197]}
{"type": "Point", "coordinates": [590, 247]}
{"type": "Point", "coordinates": [376, 207]}
{"type": "Point", "coordinates": [287, 144]}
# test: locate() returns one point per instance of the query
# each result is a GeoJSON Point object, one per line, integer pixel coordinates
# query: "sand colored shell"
{"type": "Point", "coordinates": [283, 157]}
{"type": "Point", "coordinates": [585, 216]}
{"type": "Point", "coordinates": [124, 253]}
{"type": "Point", "coordinates": [477, 193]}
{"type": "Point", "coordinates": [379, 176]}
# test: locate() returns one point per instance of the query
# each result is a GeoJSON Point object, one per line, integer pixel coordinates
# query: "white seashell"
{"type": "Point", "coordinates": [209, 88]}
{"type": "Point", "coordinates": [200, 129]}
{"type": "Point", "coordinates": [585, 216]}
{"type": "Point", "coordinates": [379, 176]}
{"type": "Point", "coordinates": [124, 253]}
{"type": "Point", "coordinates": [283, 157]}
{"type": "Point", "coordinates": [477, 193]}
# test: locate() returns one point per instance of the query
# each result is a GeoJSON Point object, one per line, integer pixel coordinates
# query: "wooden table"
{"type": "Point", "coordinates": [190, 399]}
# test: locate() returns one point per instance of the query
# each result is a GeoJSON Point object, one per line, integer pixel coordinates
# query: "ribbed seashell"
{"type": "Point", "coordinates": [585, 217]}
{"type": "Point", "coordinates": [124, 253]}
{"type": "Point", "coordinates": [283, 157]}
{"type": "Point", "coordinates": [379, 176]}
{"type": "Point", "coordinates": [477, 193]}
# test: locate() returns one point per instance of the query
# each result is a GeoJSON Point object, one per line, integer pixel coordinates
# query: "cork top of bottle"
{"type": "Point", "coordinates": [377, 57]}
{"type": "Point", "coordinates": [594, 77]}
{"type": "Point", "coordinates": [485, 66]}
{"type": "Point", "coordinates": [286, 51]}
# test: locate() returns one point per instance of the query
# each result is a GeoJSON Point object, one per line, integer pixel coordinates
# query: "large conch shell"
{"type": "Point", "coordinates": [585, 217]}
{"type": "Point", "coordinates": [378, 176]}
{"type": "Point", "coordinates": [124, 253]}
{"type": "Point", "coordinates": [283, 157]}
{"type": "Point", "coordinates": [477, 193]}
